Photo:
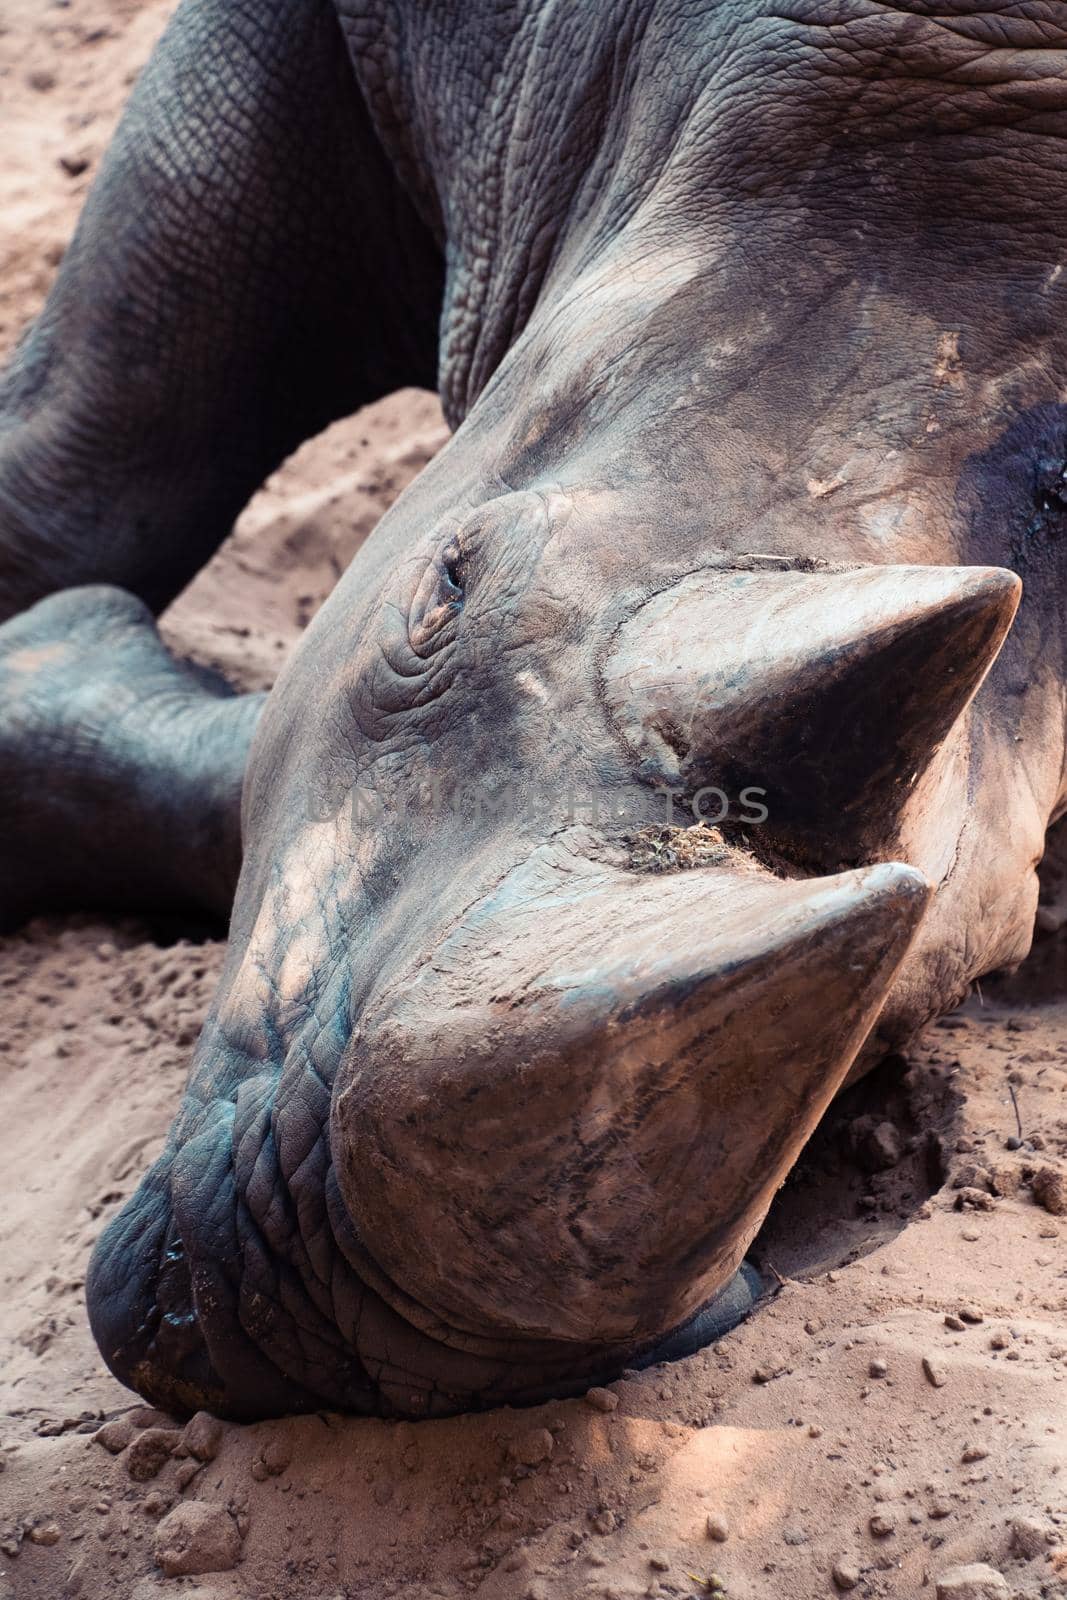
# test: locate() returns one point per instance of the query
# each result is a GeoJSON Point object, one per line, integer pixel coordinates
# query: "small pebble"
{"type": "Point", "coordinates": [935, 1372]}
{"type": "Point", "coordinates": [976, 1199]}
{"type": "Point", "coordinates": [975, 1581]}
{"type": "Point", "coordinates": [1029, 1538]}
{"type": "Point", "coordinates": [882, 1524]}
{"type": "Point", "coordinates": [878, 1368]}
{"type": "Point", "coordinates": [718, 1527]}
{"type": "Point", "coordinates": [150, 1417]}
{"type": "Point", "coordinates": [877, 1144]}
{"type": "Point", "coordinates": [957, 1324]}
{"type": "Point", "coordinates": [272, 1459]}
{"type": "Point", "coordinates": [196, 1537]}
{"type": "Point", "coordinates": [45, 1533]}
{"type": "Point", "coordinates": [148, 1452]}
{"type": "Point", "coordinates": [601, 1399]}
{"type": "Point", "coordinates": [115, 1436]}
{"type": "Point", "coordinates": [74, 163]}
{"type": "Point", "coordinates": [1050, 1190]}
{"type": "Point", "coordinates": [534, 1447]}
{"type": "Point", "coordinates": [845, 1573]}
{"type": "Point", "coordinates": [201, 1437]}
{"type": "Point", "coordinates": [659, 1562]}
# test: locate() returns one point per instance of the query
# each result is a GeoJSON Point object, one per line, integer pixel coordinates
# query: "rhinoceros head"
{"type": "Point", "coordinates": [504, 1071]}
{"type": "Point", "coordinates": [537, 1092]}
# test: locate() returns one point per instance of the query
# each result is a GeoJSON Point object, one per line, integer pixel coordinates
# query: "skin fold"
{"type": "Point", "coordinates": [750, 326]}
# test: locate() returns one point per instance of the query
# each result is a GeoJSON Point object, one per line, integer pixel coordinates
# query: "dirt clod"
{"type": "Point", "coordinates": [148, 1453]}
{"type": "Point", "coordinates": [197, 1537]}
{"type": "Point", "coordinates": [201, 1436]}
{"type": "Point", "coordinates": [1029, 1537]}
{"type": "Point", "coordinates": [877, 1144]}
{"type": "Point", "coordinates": [531, 1448]}
{"type": "Point", "coordinates": [845, 1573]}
{"type": "Point", "coordinates": [271, 1460]}
{"type": "Point", "coordinates": [115, 1435]}
{"type": "Point", "coordinates": [975, 1581]}
{"type": "Point", "coordinates": [1050, 1190]}
{"type": "Point", "coordinates": [935, 1371]}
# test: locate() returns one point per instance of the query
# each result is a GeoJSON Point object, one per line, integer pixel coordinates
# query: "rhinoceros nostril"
{"type": "Point", "coordinates": [142, 1310]}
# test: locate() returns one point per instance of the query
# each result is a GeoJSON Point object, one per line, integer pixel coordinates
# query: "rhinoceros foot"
{"type": "Point", "coordinates": [120, 767]}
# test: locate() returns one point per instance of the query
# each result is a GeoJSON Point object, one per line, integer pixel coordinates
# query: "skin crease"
{"type": "Point", "coordinates": [787, 284]}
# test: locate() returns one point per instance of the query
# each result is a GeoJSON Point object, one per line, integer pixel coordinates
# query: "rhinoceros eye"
{"type": "Point", "coordinates": [439, 597]}
{"type": "Point", "coordinates": [452, 569]}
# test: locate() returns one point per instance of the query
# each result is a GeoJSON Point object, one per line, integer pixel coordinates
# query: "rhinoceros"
{"type": "Point", "coordinates": [642, 778]}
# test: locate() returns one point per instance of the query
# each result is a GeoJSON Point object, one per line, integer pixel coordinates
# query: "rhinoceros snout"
{"type": "Point", "coordinates": [176, 1291]}
{"type": "Point", "coordinates": [141, 1306]}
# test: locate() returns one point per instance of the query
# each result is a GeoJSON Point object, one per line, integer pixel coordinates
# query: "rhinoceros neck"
{"type": "Point", "coordinates": [535, 135]}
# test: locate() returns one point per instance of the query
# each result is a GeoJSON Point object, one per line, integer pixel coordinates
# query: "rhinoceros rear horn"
{"type": "Point", "coordinates": [565, 1131]}
{"type": "Point", "coordinates": [829, 690]}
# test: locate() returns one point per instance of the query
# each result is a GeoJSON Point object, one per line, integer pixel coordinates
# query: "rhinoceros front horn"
{"type": "Point", "coordinates": [564, 1130]}
{"type": "Point", "coordinates": [829, 690]}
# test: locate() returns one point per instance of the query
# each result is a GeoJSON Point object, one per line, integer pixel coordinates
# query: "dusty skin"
{"type": "Point", "coordinates": [898, 1411]}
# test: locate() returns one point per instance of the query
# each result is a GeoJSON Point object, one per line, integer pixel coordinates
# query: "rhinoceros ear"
{"type": "Point", "coordinates": [566, 1128]}
{"type": "Point", "coordinates": [829, 690]}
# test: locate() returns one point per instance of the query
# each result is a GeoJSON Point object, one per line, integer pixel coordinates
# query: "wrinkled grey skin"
{"type": "Point", "coordinates": [696, 282]}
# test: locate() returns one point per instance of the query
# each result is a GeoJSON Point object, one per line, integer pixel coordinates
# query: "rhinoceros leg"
{"type": "Point", "coordinates": [245, 271]}
{"type": "Point", "coordinates": [120, 767]}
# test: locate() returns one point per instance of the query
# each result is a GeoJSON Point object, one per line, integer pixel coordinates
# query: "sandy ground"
{"type": "Point", "coordinates": [898, 1409]}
